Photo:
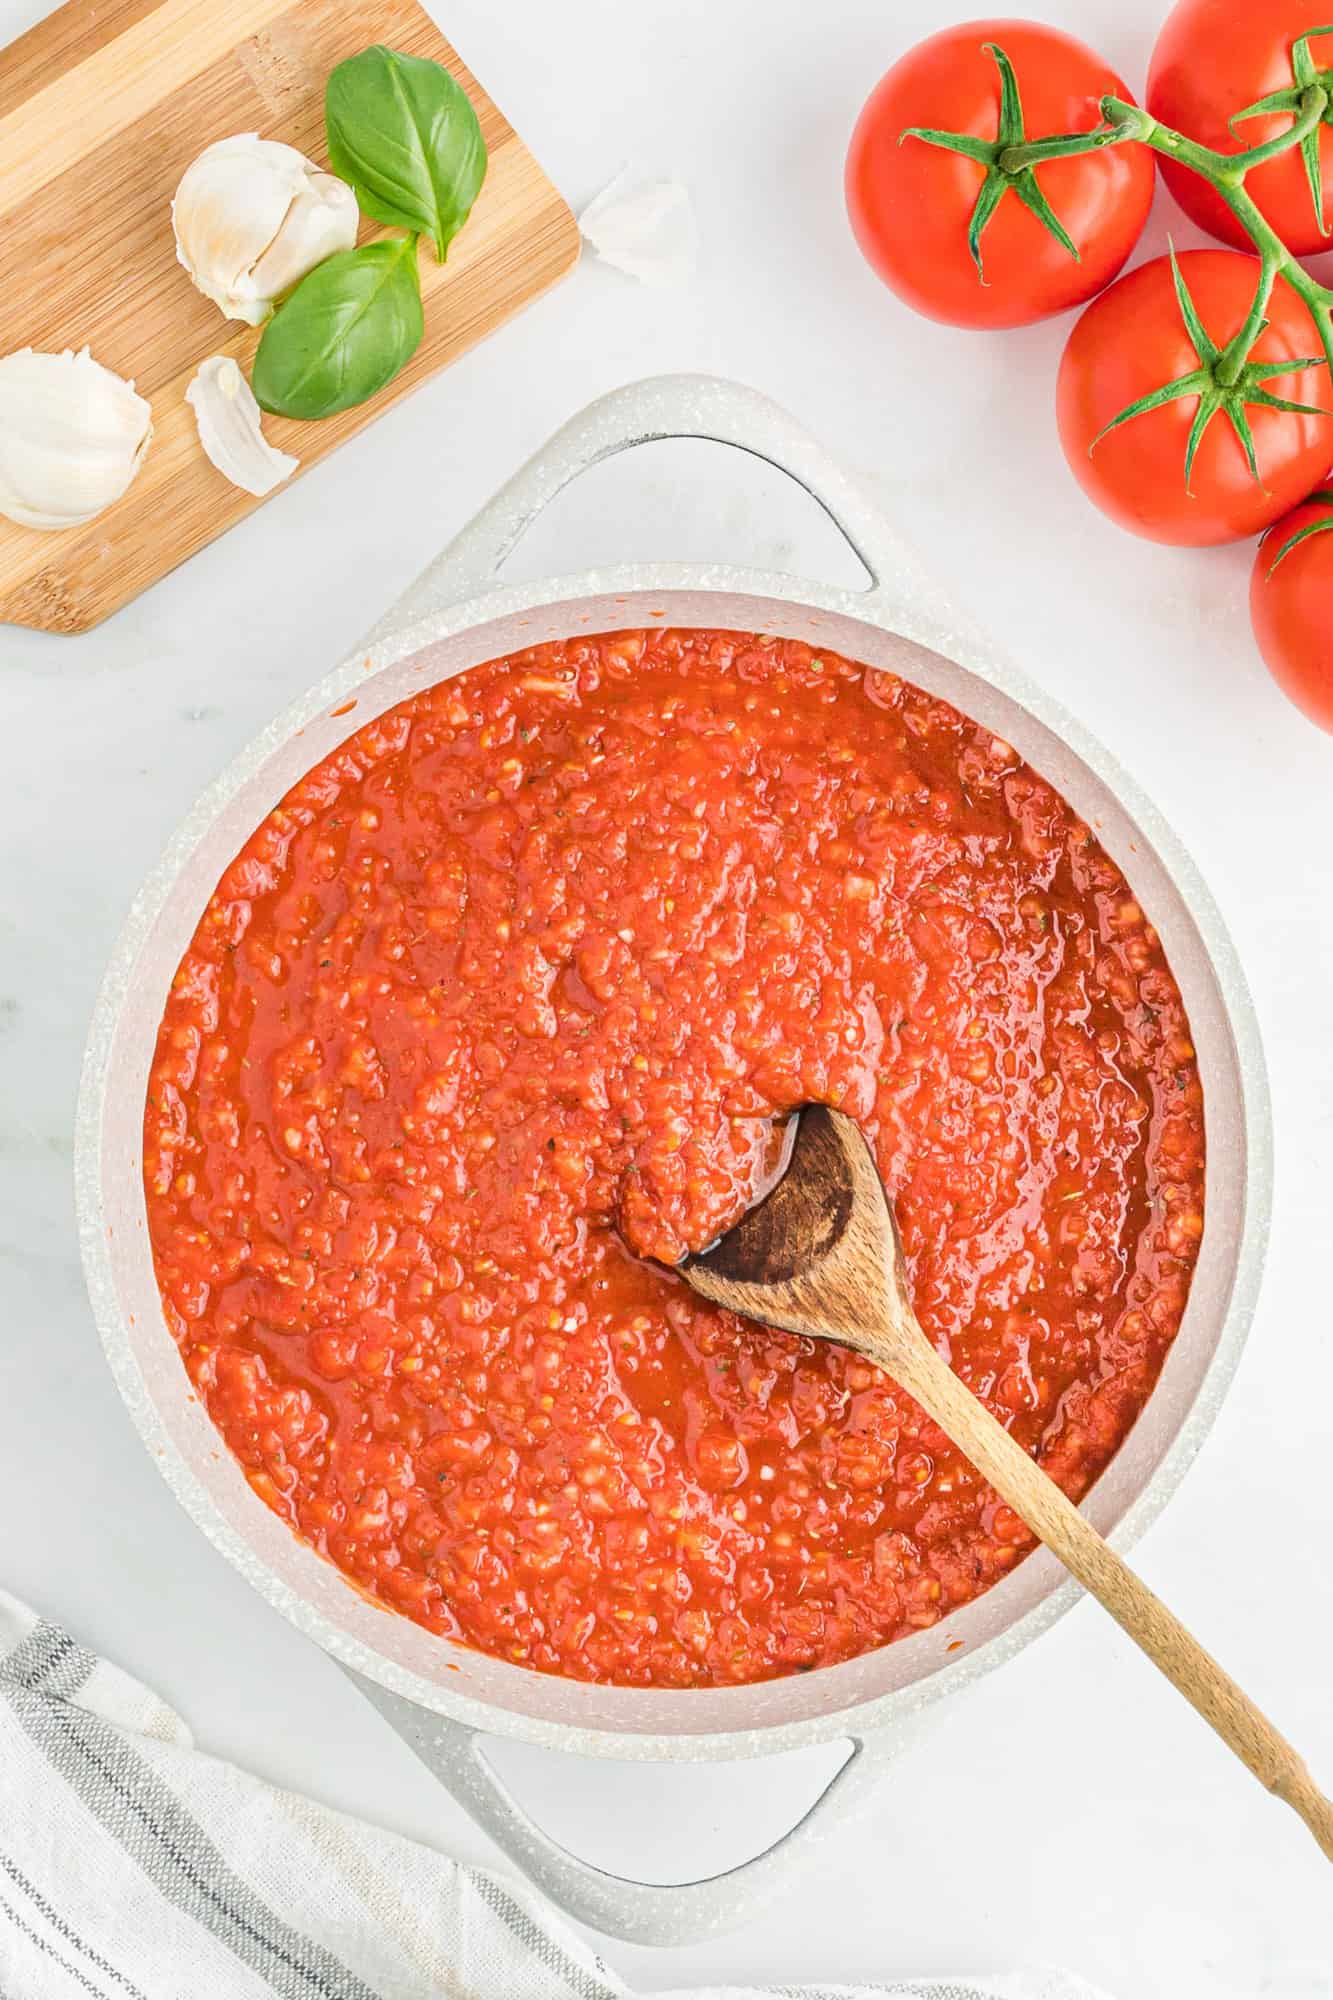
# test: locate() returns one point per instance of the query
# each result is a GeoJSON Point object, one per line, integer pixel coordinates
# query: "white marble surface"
{"type": "Point", "coordinates": [1071, 1809]}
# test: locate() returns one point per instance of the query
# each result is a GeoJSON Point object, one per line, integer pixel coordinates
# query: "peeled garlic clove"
{"type": "Point", "coordinates": [227, 417]}
{"type": "Point", "coordinates": [72, 437]}
{"type": "Point", "coordinates": [252, 216]}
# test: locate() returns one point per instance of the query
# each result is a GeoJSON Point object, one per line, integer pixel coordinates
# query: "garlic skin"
{"type": "Point", "coordinates": [646, 229]}
{"type": "Point", "coordinates": [227, 418]}
{"type": "Point", "coordinates": [252, 216]}
{"type": "Point", "coordinates": [72, 437]}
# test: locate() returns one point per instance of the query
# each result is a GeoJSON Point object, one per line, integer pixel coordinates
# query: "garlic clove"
{"type": "Point", "coordinates": [646, 229]}
{"type": "Point", "coordinates": [252, 216]}
{"type": "Point", "coordinates": [322, 218]}
{"type": "Point", "coordinates": [228, 420]}
{"type": "Point", "coordinates": [72, 436]}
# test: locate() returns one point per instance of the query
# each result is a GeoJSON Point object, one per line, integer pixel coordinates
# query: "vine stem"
{"type": "Point", "coordinates": [1236, 352]}
{"type": "Point", "coordinates": [1310, 103]}
{"type": "Point", "coordinates": [1127, 121]}
{"type": "Point", "coordinates": [1226, 173]}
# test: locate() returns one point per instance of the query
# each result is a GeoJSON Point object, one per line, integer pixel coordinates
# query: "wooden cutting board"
{"type": "Point", "coordinates": [102, 107]}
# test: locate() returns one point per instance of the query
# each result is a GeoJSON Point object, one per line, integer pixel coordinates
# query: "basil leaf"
{"type": "Point", "coordinates": [345, 331]}
{"type": "Point", "coordinates": [405, 136]}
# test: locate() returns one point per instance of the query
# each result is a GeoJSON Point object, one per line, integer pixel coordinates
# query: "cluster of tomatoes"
{"type": "Point", "coordinates": [1175, 421]}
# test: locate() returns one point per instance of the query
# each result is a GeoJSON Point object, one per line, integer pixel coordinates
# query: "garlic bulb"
{"type": "Point", "coordinates": [72, 437]}
{"type": "Point", "coordinates": [227, 417]}
{"type": "Point", "coordinates": [252, 216]}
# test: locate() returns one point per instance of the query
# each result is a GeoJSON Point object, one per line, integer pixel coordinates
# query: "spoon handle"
{"type": "Point", "coordinates": [1057, 1522]}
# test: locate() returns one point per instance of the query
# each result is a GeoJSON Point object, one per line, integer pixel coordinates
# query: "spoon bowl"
{"type": "Point", "coordinates": [820, 1255]}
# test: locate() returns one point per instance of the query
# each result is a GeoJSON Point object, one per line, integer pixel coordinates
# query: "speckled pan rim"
{"type": "Point", "coordinates": [897, 1706]}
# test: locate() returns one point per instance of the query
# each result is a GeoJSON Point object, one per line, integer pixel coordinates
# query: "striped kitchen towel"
{"type": "Point", "coordinates": [134, 1867]}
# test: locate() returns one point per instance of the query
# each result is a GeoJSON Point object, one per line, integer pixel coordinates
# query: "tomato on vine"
{"type": "Point", "coordinates": [1291, 605]}
{"type": "Point", "coordinates": [1000, 172]}
{"type": "Point", "coordinates": [1231, 74]}
{"type": "Point", "coordinates": [958, 230]}
{"type": "Point", "coordinates": [1193, 407]}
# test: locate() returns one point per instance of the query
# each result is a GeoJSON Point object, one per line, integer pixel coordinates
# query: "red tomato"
{"type": "Point", "coordinates": [910, 204]}
{"type": "Point", "coordinates": [1291, 606]}
{"type": "Point", "coordinates": [1133, 340]}
{"type": "Point", "coordinates": [1214, 57]}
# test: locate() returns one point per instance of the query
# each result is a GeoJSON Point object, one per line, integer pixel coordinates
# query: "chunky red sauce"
{"type": "Point", "coordinates": [514, 979]}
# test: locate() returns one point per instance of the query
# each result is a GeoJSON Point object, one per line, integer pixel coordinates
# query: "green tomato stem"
{"type": "Point", "coordinates": [1226, 172]}
{"type": "Point", "coordinates": [1314, 103]}
{"type": "Point", "coordinates": [1310, 104]}
{"type": "Point", "coordinates": [1016, 159]}
{"type": "Point", "coordinates": [1236, 352]}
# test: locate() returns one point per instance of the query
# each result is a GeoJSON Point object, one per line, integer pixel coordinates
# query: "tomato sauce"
{"type": "Point", "coordinates": [499, 1006]}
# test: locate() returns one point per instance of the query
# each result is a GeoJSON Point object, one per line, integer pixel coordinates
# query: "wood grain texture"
{"type": "Point", "coordinates": [820, 1256]}
{"type": "Point", "coordinates": [102, 107]}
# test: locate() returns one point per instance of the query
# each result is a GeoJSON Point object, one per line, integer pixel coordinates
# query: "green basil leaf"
{"type": "Point", "coordinates": [345, 331]}
{"type": "Point", "coordinates": [405, 136]}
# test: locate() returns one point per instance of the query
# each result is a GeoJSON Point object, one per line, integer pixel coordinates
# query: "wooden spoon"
{"type": "Point", "coordinates": [820, 1255]}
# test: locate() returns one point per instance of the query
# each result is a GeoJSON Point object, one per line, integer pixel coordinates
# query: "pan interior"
{"type": "Point", "coordinates": [391, 1649]}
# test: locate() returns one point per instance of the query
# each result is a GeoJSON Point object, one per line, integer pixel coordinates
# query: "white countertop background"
{"type": "Point", "coordinates": [1070, 1809]}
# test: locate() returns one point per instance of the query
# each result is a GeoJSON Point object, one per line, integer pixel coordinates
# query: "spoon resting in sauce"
{"type": "Point", "coordinates": [818, 1254]}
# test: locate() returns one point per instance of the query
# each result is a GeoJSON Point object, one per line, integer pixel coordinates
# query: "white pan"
{"type": "Point", "coordinates": [441, 1696]}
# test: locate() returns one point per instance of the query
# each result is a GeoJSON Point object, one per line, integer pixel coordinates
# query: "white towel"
{"type": "Point", "coordinates": [135, 1867]}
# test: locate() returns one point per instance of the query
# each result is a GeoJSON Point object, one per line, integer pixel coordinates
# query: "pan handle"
{"type": "Point", "coordinates": [640, 1912]}
{"type": "Point", "coordinates": [683, 406]}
